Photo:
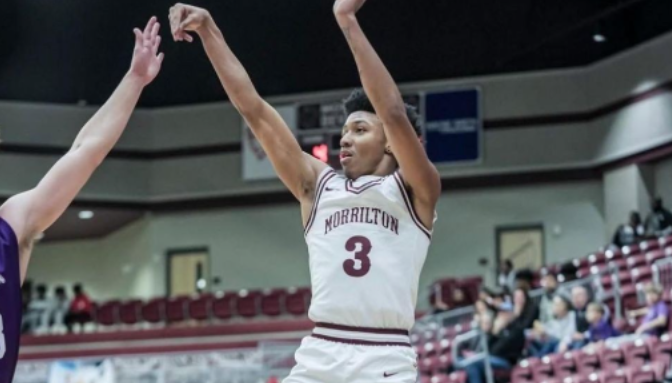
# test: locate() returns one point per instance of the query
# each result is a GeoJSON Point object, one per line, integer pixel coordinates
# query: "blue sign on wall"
{"type": "Point", "coordinates": [453, 126]}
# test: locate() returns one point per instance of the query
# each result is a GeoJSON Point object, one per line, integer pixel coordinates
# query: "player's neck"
{"type": "Point", "coordinates": [384, 169]}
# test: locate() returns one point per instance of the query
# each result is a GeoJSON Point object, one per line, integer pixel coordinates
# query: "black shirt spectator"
{"type": "Point", "coordinates": [659, 221]}
{"type": "Point", "coordinates": [526, 311]}
{"type": "Point", "coordinates": [631, 233]}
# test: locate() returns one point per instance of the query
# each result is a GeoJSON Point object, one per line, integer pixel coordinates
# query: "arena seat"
{"type": "Point", "coordinates": [665, 241]}
{"type": "Point", "coordinates": [129, 312]}
{"type": "Point", "coordinates": [200, 308]}
{"type": "Point", "coordinates": [176, 309]}
{"type": "Point", "coordinates": [297, 301]}
{"type": "Point", "coordinates": [222, 306]}
{"type": "Point", "coordinates": [651, 244]}
{"type": "Point", "coordinates": [654, 255]}
{"type": "Point", "coordinates": [642, 274]}
{"type": "Point", "coordinates": [272, 302]}
{"type": "Point", "coordinates": [636, 261]}
{"type": "Point", "coordinates": [107, 314]}
{"type": "Point", "coordinates": [637, 353]}
{"type": "Point", "coordinates": [247, 303]}
{"type": "Point", "coordinates": [154, 311]}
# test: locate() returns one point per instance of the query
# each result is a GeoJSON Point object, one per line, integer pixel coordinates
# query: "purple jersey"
{"type": "Point", "coordinates": [10, 302]}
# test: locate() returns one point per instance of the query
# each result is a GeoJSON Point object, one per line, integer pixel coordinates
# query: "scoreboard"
{"type": "Point", "coordinates": [451, 123]}
{"type": "Point", "coordinates": [319, 127]}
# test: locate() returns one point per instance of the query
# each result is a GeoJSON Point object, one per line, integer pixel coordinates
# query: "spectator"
{"type": "Point", "coordinates": [631, 233]}
{"type": "Point", "coordinates": [506, 275]}
{"type": "Point", "coordinates": [580, 300]}
{"type": "Point", "coordinates": [505, 349]}
{"type": "Point", "coordinates": [600, 328]}
{"type": "Point", "coordinates": [659, 221]}
{"type": "Point", "coordinates": [81, 309]}
{"type": "Point", "coordinates": [524, 309]}
{"type": "Point", "coordinates": [37, 315]}
{"type": "Point", "coordinates": [556, 335]}
{"type": "Point", "coordinates": [550, 285]}
{"type": "Point", "coordinates": [59, 308]}
{"type": "Point", "coordinates": [655, 321]}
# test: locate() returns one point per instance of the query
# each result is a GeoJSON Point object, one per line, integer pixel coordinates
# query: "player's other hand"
{"type": "Point", "coordinates": [186, 18]}
{"type": "Point", "coordinates": [345, 8]}
{"type": "Point", "coordinates": [146, 63]}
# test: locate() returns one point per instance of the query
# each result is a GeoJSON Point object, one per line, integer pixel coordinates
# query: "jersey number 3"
{"type": "Point", "coordinates": [362, 256]}
{"type": "Point", "coordinates": [3, 346]}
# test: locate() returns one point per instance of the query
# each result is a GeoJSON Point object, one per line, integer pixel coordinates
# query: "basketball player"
{"type": "Point", "coordinates": [25, 215]}
{"type": "Point", "coordinates": [367, 231]}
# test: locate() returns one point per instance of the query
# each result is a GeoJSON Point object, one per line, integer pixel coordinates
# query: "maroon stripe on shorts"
{"type": "Point", "coordinates": [369, 330]}
{"type": "Point", "coordinates": [357, 342]}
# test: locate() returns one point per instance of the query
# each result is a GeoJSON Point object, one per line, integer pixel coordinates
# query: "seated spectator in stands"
{"type": "Point", "coordinates": [525, 311]}
{"type": "Point", "coordinates": [506, 276]}
{"type": "Point", "coordinates": [580, 300]}
{"type": "Point", "coordinates": [659, 221]}
{"type": "Point", "coordinates": [631, 233]}
{"type": "Point", "coordinates": [600, 328]}
{"type": "Point", "coordinates": [59, 308]}
{"type": "Point", "coordinates": [656, 313]}
{"type": "Point", "coordinates": [37, 315]}
{"type": "Point", "coordinates": [504, 348]}
{"type": "Point", "coordinates": [81, 309]}
{"type": "Point", "coordinates": [498, 305]}
{"type": "Point", "coordinates": [555, 335]}
{"type": "Point", "coordinates": [550, 285]}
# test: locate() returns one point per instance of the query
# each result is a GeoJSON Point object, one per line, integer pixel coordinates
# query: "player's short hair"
{"type": "Point", "coordinates": [358, 101]}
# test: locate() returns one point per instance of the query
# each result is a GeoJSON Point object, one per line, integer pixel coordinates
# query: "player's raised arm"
{"type": "Point", "coordinates": [296, 169]}
{"type": "Point", "coordinates": [419, 173]}
{"type": "Point", "coordinates": [33, 211]}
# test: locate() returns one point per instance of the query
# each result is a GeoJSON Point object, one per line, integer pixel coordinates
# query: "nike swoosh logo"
{"type": "Point", "coordinates": [387, 375]}
{"type": "Point", "coordinates": [329, 189]}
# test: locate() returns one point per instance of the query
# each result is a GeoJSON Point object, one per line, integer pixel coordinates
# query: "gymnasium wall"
{"type": "Point", "coordinates": [637, 127]}
{"type": "Point", "coordinates": [263, 246]}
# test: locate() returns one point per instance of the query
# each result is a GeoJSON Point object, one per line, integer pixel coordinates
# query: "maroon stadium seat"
{"type": "Point", "coordinates": [272, 302]}
{"type": "Point", "coordinates": [654, 255]}
{"type": "Point", "coordinates": [429, 365]}
{"type": "Point", "coordinates": [176, 309]}
{"type": "Point", "coordinates": [652, 244]}
{"type": "Point", "coordinates": [222, 306]}
{"type": "Point", "coordinates": [247, 303]}
{"type": "Point", "coordinates": [597, 259]}
{"type": "Point", "coordinates": [200, 308]}
{"type": "Point", "coordinates": [154, 311]}
{"type": "Point", "coordinates": [129, 312]}
{"type": "Point", "coordinates": [543, 370]}
{"type": "Point", "coordinates": [614, 376]}
{"type": "Point", "coordinates": [107, 314]}
{"type": "Point", "coordinates": [665, 241]}
{"type": "Point", "coordinates": [636, 261]}
{"type": "Point", "coordinates": [636, 353]}
{"type": "Point", "coordinates": [564, 365]}
{"type": "Point", "coordinates": [612, 358]}
{"type": "Point", "coordinates": [642, 275]}
{"type": "Point", "coordinates": [586, 361]}
{"type": "Point", "coordinates": [298, 301]}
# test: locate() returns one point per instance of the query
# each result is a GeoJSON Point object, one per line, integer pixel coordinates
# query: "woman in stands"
{"type": "Point", "coordinates": [24, 216]}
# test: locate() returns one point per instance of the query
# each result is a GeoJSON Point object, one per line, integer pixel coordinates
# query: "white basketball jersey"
{"type": "Point", "coordinates": [367, 248]}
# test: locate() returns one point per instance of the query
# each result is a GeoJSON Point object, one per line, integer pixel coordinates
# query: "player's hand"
{"type": "Point", "coordinates": [146, 63]}
{"type": "Point", "coordinates": [186, 18]}
{"type": "Point", "coordinates": [344, 8]}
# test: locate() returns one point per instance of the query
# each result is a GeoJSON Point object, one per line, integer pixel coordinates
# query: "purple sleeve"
{"type": "Point", "coordinates": [662, 310]}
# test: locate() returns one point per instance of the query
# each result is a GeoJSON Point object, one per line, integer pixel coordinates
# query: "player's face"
{"type": "Point", "coordinates": [362, 144]}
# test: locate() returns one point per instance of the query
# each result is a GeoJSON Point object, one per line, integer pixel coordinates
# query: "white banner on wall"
{"type": "Point", "coordinates": [256, 165]}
